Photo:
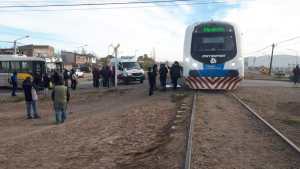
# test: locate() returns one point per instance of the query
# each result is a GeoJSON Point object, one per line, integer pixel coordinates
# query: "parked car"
{"type": "Point", "coordinates": [79, 73]}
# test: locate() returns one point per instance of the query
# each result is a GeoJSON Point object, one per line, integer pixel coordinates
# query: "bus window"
{"type": "Point", "coordinates": [26, 66]}
{"type": "Point", "coordinates": [15, 66]}
{"type": "Point", "coordinates": [4, 68]}
{"type": "Point", "coordinates": [38, 68]}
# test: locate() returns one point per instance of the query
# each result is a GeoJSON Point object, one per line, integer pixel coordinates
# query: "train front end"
{"type": "Point", "coordinates": [212, 56]}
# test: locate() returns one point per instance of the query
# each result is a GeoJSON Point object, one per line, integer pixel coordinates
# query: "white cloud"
{"type": "Point", "coordinates": [140, 29]}
{"type": "Point", "coordinates": [263, 22]}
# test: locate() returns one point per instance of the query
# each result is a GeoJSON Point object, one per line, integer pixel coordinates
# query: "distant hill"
{"type": "Point", "coordinates": [279, 61]}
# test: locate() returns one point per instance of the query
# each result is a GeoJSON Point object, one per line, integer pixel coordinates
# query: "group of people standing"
{"type": "Point", "coordinates": [106, 74]}
{"type": "Point", "coordinates": [60, 93]}
{"type": "Point", "coordinates": [175, 73]}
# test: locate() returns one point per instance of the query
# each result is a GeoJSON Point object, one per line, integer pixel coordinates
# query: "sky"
{"type": "Point", "coordinates": [157, 29]}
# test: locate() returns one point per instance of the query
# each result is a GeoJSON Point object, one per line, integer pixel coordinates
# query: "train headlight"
{"type": "Point", "coordinates": [233, 64]}
{"type": "Point", "coordinates": [195, 65]}
{"type": "Point", "coordinates": [187, 59]}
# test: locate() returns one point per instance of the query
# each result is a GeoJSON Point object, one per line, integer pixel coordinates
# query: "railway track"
{"type": "Point", "coordinates": [189, 144]}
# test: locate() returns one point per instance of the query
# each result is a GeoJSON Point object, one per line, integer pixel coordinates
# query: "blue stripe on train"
{"type": "Point", "coordinates": [215, 70]}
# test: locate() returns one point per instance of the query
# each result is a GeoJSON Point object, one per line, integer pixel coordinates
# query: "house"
{"type": "Point", "coordinates": [45, 51]}
{"type": "Point", "coordinates": [73, 59]}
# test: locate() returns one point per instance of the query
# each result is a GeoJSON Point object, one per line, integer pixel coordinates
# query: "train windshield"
{"type": "Point", "coordinates": [213, 42]}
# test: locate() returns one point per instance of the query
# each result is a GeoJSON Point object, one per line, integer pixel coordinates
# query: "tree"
{"type": "Point", "coordinates": [105, 60]}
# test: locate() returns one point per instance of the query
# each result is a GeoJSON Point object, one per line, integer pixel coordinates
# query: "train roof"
{"type": "Point", "coordinates": [211, 22]}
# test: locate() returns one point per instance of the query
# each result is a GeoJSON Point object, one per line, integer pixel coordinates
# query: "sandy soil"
{"type": "Point", "coordinates": [279, 106]}
{"type": "Point", "coordinates": [106, 129]}
{"type": "Point", "coordinates": [226, 136]}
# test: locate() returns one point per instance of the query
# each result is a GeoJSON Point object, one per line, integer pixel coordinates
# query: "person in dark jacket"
{"type": "Point", "coordinates": [66, 77]}
{"type": "Point", "coordinates": [55, 78]}
{"type": "Point", "coordinates": [73, 79]}
{"type": "Point", "coordinates": [106, 75]}
{"type": "Point", "coordinates": [296, 72]}
{"type": "Point", "coordinates": [163, 71]}
{"type": "Point", "coordinates": [46, 83]}
{"type": "Point", "coordinates": [175, 74]}
{"type": "Point", "coordinates": [30, 98]}
{"type": "Point", "coordinates": [36, 81]}
{"type": "Point", "coordinates": [60, 97]}
{"type": "Point", "coordinates": [96, 77]}
{"type": "Point", "coordinates": [155, 70]}
{"type": "Point", "coordinates": [151, 78]}
{"type": "Point", "coordinates": [14, 83]}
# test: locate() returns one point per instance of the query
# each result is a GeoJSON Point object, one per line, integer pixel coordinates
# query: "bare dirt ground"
{"type": "Point", "coordinates": [226, 136]}
{"type": "Point", "coordinates": [279, 106]}
{"type": "Point", "coordinates": [105, 129]}
{"type": "Point", "coordinates": [256, 75]}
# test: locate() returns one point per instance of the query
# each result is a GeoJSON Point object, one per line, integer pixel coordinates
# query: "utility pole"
{"type": "Point", "coordinates": [116, 64]}
{"type": "Point", "coordinates": [271, 62]}
{"type": "Point", "coordinates": [15, 43]}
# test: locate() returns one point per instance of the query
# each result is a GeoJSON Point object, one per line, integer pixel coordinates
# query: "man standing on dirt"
{"type": "Point", "coordinates": [14, 83]}
{"type": "Point", "coordinates": [175, 74]}
{"type": "Point", "coordinates": [66, 77]}
{"type": "Point", "coordinates": [155, 70]}
{"type": "Point", "coordinates": [163, 71]}
{"type": "Point", "coordinates": [30, 98]}
{"type": "Point", "coordinates": [60, 98]}
{"type": "Point", "coordinates": [106, 75]}
{"type": "Point", "coordinates": [151, 78]}
{"type": "Point", "coordinates": [73, 79]}
{"type": "Point", "coordinates": [55, 77]}
{"type": "Point", "coordinates": [296, 73]}
{"type": "Point", "coordinates": [96, 77]}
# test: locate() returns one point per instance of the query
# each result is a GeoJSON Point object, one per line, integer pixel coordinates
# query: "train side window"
{"type": "Point", "coordinates": [15, 66]}
{"type": "Point", "coordinates": [4, 68]}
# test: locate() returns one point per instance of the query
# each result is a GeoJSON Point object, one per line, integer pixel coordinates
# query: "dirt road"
{"type": "Point", "coordinates": [227, 136]}
{"type": "Point", "coordinates": [107, 129]}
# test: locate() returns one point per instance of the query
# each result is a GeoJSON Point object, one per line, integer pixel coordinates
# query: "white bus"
{"type": "Point", "coordinates": [24, 66]}
{"type": "Point", "coordinates": [212, 56]}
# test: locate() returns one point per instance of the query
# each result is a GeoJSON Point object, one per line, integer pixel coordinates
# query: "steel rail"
{"type": "Point", "coordinates": [188, 155]}
{"type": "Point", "coordinates": [288, 141]}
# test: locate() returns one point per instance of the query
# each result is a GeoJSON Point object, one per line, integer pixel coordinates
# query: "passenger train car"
{"type": "Point", "coordinates": [212, 56]}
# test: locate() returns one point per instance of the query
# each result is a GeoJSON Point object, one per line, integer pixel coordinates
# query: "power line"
{"type": "Point", "coordinates": [93, 4]}
{"type": "Point", "coordinates": [124, 7]}
{"type": "Point", "coordinates": [276, 44]}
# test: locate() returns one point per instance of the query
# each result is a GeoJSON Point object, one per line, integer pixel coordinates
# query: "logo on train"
{"type": "Point", "coordinates": [213, 60]}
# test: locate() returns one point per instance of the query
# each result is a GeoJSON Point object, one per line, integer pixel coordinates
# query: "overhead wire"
{"type": "Point", "coordinates": [93, 4]}
{"type": "Point", "coordinates": [119, 7]}
{"type": "Point", "coordinates": [276, 44]}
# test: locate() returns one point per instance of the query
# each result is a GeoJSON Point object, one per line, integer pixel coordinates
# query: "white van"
{"type": "Point", "coordinates": [129, 69]}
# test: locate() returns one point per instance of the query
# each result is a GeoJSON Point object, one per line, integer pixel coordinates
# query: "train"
{"type": "Point", "coordinates": [212, 58]}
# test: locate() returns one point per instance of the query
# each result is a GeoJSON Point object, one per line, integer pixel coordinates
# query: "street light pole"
{"type": "Point", "coordinates": [109, 46]}
{"type": "Point", "coordinates": [15, 43]}
{"type": "Point", "coordinates": [116, 64]}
